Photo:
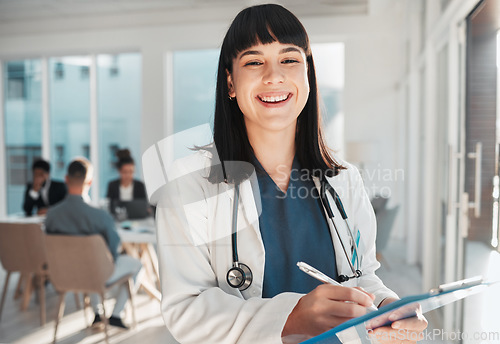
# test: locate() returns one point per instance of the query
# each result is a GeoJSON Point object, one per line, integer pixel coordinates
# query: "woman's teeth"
{"type": "Point", "coordinates": [274, 99]}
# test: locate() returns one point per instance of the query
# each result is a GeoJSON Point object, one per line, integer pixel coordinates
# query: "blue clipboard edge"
{"type": "Point", "coordinates": [434, 293]}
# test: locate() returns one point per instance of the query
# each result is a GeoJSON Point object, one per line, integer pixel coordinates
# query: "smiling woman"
{"type": "Point", "coordinates": [270, 84]}
{"type": "Point", "coordinates": [263, 45]}
{"type": "Point", "coordinates": [229, 276]}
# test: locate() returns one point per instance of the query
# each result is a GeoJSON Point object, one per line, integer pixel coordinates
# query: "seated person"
{"type": "Point", "coordinates": [43, 192]}
{"type": "Point", "coordinates": [75, 217]}
{"type": "Point", "coordinates": [126, 188]}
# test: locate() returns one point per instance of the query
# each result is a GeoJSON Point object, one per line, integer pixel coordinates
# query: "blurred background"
{"type": "Point", "coordinates": [409, 91]}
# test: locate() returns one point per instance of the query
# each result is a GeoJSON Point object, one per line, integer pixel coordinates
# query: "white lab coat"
{"type": "Point", "coordinates": [195, 254]}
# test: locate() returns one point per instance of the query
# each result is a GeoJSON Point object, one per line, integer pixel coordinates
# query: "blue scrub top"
{"type": "Point", "coordinates": [294, 228]}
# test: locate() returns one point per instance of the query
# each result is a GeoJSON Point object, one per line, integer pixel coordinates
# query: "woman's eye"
{"type": "Point", "coordinates": [290, 61]}
{"type": "Point", "coordinates": [253, 63]}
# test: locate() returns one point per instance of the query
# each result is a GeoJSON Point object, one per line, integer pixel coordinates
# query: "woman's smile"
{"type": "Point", "coordinates": [275, 99]}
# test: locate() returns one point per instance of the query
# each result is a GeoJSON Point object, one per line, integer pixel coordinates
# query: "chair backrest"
{"type": "Point", "coordinates": [385, 222]}
{"type": "Point", "coordinates": [22, 247]}
{"type": "Point", "coordinates": [78, 263]}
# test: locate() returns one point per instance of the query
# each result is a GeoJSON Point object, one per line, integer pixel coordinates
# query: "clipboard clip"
{"type": "Point", "coordinates": [465, 283]}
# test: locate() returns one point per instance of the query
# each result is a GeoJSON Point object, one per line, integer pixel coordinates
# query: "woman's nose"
{"type": "Point", "coordinates": [273, 74]}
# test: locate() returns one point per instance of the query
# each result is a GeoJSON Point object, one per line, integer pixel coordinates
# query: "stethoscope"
{"type": "Point", "coordinates": [240, 276]}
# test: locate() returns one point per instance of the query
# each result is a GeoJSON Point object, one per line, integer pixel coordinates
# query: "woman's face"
{"type": "Point", "coordinates": [270, 85]}
{"type": "Point", "coordinates": [127, 174]}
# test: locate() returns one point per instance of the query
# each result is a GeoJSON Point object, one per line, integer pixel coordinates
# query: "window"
{"type": "Point", "coordinates": [195, 74]}
{"type": "Point", "coordinates": [23, 133]}
{"type": "Point", "coordinates": [329, 65]}
{"type": "Point", "coordinates": [15, 80]}
{"type": "Point", "coordinates": [119, 112]}
{"type": "Point", "coordinates": [118, 119]}
{"type": "Point", "coordinates": [69, 112]}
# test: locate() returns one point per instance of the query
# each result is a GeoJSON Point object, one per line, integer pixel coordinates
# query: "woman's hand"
{"type": "Point", "coordinates": [408, 330]}
{"type": "Point", "coordinates": [324, 308]}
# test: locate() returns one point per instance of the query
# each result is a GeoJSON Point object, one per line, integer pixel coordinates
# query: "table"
{"type": "Point", "coordinates": [138, 241]}
{"type": "Point", "coordinates": [23, 219]}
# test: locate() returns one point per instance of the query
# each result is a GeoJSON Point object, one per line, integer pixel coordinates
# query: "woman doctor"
{"type": "Point", "coordinates": [266, 114]}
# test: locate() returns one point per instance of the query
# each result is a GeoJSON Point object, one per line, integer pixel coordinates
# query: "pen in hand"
{"type": "Point", "coordinates": [313, 272]}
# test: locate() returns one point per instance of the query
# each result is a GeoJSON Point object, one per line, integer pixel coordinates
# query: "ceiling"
{"type": "Point", "coordinates": [26, 10]}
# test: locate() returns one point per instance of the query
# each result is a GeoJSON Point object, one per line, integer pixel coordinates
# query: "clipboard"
{"type": "Point", "coordinates": [404, 308]}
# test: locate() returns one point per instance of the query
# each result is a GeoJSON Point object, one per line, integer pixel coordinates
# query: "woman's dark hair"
{"type": "Point", "coordinates": [266, 24]}
{"type": "Point", "coordinates": [124, 158]}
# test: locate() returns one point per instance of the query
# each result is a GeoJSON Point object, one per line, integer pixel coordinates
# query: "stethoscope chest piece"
{"type": "Point", "coordinates": [239, 276]}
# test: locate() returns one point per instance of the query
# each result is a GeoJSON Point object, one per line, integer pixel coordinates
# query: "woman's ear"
{"type": "Point", "coordinates": [230, 85]}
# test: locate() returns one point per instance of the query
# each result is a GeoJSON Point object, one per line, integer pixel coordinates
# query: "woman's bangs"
{"type": "Point", "coordinates": [266, 27]}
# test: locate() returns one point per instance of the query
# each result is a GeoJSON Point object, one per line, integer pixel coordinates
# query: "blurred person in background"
{"type": "Point", "coordinates": [74, 216]}
{"type": "Point", "coordinates": [42, 192]}
{"type": "Point", "coordinates": [126, 188]}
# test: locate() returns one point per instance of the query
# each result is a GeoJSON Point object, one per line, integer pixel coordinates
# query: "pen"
{"type": "Point", "coordinates": [313, 272]}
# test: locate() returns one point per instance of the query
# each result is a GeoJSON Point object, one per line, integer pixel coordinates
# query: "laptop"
{"type": "Point", "coordinates": [136, 209]}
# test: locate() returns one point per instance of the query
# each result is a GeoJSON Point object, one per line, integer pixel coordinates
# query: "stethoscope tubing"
{"type": "Point", "coordinates": [235, 224]}
{"type": "Point", "coordinates": [329, 211]}
{"type": "Point", "coordinates": [343, 213]}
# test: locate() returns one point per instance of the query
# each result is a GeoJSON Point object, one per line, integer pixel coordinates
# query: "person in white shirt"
{"type": "Point", "coordinates": [126, 188]}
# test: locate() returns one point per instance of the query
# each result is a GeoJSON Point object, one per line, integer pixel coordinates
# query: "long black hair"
{"type": "Point", "coordinates": [266, 24]}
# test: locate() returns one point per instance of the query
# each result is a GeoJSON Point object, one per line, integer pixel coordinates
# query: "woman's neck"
{"type": "Point", "coordinates": [275, 152]}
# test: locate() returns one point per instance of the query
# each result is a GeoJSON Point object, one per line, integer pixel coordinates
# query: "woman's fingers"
{"type": "Point", "coordinates": [338, 293]}
{"type": "Point", "coordinates": [409, 330]}
{"type": "Point", "coordinates": [372, 296]}
{"type": "Point", "coordinates": [325, 307]}
{"type": "Point", "coordinates": [345, 309]}
{"type": "Point", "coordinates": [418, 323]}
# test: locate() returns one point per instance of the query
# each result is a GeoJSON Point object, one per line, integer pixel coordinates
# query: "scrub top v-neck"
{"type": "Point", "coordinates": [293, 228]}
